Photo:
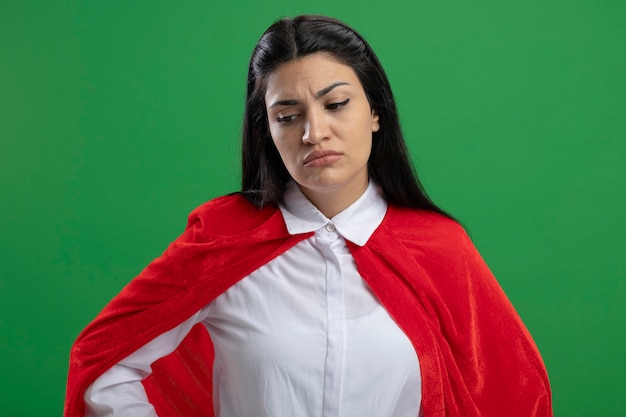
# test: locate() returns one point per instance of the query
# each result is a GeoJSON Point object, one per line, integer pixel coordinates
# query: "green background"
{"type": "Point", "coordinates": [118, 117]}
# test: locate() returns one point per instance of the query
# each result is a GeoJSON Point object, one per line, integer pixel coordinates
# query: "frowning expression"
{"type": "Point", "coordinates": [321, 123]}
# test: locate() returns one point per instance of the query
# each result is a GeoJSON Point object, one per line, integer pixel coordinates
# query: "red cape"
{"type": "Point", "coordinates": [476, 356]}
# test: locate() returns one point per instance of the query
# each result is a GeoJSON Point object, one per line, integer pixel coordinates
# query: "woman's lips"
{"type": "Point", "coordinates": [321, 158]}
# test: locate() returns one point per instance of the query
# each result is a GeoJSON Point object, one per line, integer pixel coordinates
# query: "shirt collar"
{"type": "Point", "coordinates": [356, 223]}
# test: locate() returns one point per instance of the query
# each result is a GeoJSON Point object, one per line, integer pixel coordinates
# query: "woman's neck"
{"type": "Point", "coordinates": [334, 201]}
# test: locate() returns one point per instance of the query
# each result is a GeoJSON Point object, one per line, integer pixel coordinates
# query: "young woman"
{"type": "Point", "coordinates": [329, 286]}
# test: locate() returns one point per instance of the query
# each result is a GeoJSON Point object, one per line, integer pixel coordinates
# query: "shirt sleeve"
{"type": "Point", "coordinates": [119, 392]}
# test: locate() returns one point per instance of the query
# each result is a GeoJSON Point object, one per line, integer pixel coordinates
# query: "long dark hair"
{"type": "Point", "coordinates": [264, 175]}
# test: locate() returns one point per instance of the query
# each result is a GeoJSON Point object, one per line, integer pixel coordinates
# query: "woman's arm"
{"type": "Point", "coordinates": [119, 391]}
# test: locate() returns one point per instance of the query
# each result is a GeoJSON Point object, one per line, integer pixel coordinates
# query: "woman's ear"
{"type": "Point", "coordinates": [375, 123]}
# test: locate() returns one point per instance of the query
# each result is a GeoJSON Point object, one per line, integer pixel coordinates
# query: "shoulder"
{"type": "Point", "coordinates": [437, 243]}
{"type": "Point", "coordinates": [229, 215]}
{"type": "Point", "coordinates": [427, 234]}
{"type": "Point", "coordinates": [225, 204]}
{"type": "Point", "coordinates": [423, 224]}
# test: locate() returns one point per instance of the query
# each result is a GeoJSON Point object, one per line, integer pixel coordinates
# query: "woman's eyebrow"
{"type": "Point", "coordinates": [319, 94]}
{"type": "Point", "coordinates": [328, 89]}
{"type": "Point", "coordinates": [284, 103]}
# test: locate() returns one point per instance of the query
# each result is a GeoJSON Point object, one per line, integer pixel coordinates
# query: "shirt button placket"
{"type": "Point", "coordinates": [335, 312]}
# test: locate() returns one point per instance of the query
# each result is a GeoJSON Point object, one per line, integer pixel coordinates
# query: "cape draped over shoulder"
{"type": "Point", "coordinates": [476, 356]}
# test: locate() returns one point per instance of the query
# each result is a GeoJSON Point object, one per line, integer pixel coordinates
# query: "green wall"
{"type": "Point", "coordinates": [117, 118]}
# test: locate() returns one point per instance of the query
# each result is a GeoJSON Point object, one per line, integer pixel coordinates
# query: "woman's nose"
{"type": "Point", "coordinates": [316, 128]}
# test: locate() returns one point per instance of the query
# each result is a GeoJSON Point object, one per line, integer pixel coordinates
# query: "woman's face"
{"type": "Point", "coordinates": [321, 123]}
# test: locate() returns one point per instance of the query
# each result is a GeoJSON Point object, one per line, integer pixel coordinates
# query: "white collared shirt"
{"type": "Point", "coordinates": [301, 336]}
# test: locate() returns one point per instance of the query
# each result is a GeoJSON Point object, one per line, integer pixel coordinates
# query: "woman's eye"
{"type": "Point", "coordinates": [335, 106]}
{"type": "Point", "coordinates": [284, 119]}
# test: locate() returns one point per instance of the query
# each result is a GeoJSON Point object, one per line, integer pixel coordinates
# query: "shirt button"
{"type": "Point", "coordinates": [330, 227]}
